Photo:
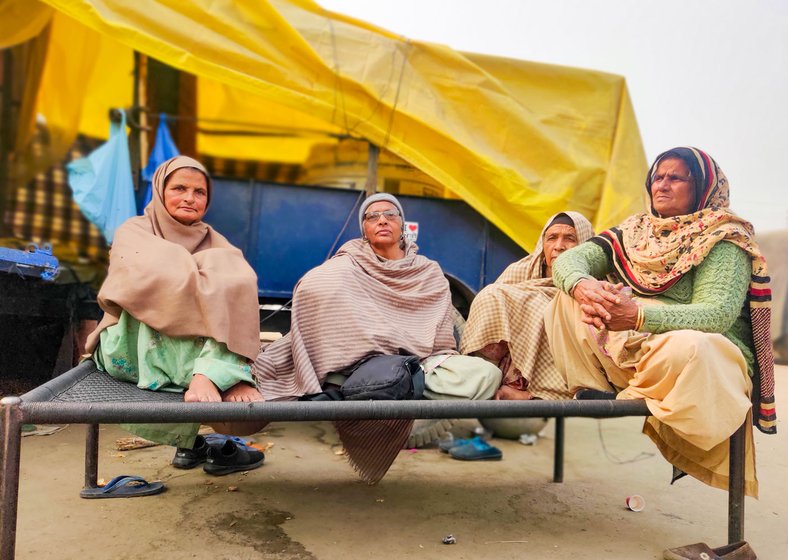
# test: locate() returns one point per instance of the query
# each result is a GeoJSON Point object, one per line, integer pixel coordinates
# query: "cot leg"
{"type": "Point", "coordinates": [736, 486]}
{"type": "Point", "coordinates": [558, 458]}
{"type": "Point", "coordinates": [91, 456]}
{"type": "Point", "coordinates": [11, 432]}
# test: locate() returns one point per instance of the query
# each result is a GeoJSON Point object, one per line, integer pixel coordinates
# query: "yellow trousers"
{"type": "Point", "coordinates": [695, 385]}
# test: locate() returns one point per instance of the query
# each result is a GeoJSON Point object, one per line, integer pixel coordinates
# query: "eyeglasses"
{"type": "Point", "coordinates": [375, 216]}
{"type": "Point", "coordinates": [670, 179]}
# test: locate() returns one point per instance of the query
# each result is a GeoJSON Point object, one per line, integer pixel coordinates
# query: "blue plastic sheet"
{"type": "Point", "coordinates": [163, 149]}
{"type": "Point", "coordinates": [102, 183]}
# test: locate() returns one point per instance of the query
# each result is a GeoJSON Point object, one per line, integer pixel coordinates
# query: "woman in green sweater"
{"type": "Point", "coordinates": [694, 340]}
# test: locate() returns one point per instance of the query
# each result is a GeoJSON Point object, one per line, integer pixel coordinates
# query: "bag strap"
{"type": "Point", "coordinates": [332, 394]}
{"type": "Point", "coordinates": [417, 378]}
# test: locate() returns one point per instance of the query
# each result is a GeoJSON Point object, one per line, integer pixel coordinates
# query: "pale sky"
{"type": "Point", "coordinates": [707, 73]}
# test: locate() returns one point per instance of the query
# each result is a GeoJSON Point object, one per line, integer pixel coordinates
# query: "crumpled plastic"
{"type": "Point", "coordinates": [102, 183]}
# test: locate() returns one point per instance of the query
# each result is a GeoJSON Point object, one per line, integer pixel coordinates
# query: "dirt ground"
{"type": "Point", "coordinates": [306, 503]}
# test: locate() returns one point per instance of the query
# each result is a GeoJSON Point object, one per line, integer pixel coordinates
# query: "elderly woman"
{"type": "Point", "coordinates": [375, 296]}
{"type": "Point", "coordinates": [180, 303]}
{"type": "Point", "coordinates": [694, 340]}
{"type": "Point", "coordinates": [506, 321]}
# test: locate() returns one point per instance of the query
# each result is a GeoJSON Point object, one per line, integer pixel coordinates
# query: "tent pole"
{"type": "Point", "coordinates": [6, 137]}
{"type": "Point", "coordinates": [138, 142]}
{"type": "Point", "coordinates": [372, 170]}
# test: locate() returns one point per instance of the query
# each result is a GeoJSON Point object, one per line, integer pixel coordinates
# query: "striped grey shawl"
{"type": "Point", "coordinates": [352, 306]}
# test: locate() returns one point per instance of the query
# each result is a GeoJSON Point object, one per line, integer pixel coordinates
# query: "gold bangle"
{"type": "Point", "coordinates": [641, 318]}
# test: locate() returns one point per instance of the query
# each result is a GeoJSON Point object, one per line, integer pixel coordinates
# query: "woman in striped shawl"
{"type": "Point", "coordinates": [694, 340]}
{"type": "Point", "coordinates": [375, 296]}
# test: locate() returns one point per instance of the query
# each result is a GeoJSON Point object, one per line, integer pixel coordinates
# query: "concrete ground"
{"type": "Point", "coordinates": [305, 502]}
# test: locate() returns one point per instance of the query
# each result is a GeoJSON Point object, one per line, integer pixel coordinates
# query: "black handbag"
{"type": "Point", "coordinates": [381, 377]}
{"type": "Point", "coordinates": [385, 378]}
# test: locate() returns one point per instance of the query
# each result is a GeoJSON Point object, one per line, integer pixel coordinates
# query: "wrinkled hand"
{"type": "Point", "coordinates": [605, 306]}
{"type": "Point", "coordinates": [623, 315]}
{"type": "Point", "coordinates": [595, 297]}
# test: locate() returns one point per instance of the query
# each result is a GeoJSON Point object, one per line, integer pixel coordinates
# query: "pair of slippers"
{"type": "Point", "coordinates": [473, 449]}
{"type": "Point", "coordinates": [219, 454]}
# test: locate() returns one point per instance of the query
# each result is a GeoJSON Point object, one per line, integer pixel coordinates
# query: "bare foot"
{"type": "Point", "coordinates": [242, 392]}
{"type": "Point", "coordinates": [202, 389]}
{"type": "Point", "coordinates": [238, 428]}
{"type": "Point", "coordinates": [506, 393]}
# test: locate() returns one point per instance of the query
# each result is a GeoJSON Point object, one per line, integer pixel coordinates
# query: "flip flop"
{"type": "Point", "coordinates": [476, 450]}
{"type": "Point", "coordinates": [449, 444]}
{"type": "Point", "coordinates": [123, 486]}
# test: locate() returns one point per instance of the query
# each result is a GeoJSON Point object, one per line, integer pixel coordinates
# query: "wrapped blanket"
{"type": "Point", "coordinates": [352, 306]}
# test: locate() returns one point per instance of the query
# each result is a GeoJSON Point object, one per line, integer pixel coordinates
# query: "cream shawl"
{"type": "Point", "coordinates": [180, 280]}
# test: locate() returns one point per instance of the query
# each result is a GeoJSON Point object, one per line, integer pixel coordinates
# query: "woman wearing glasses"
{"type": "Point", "coordinates": [694, 340]}
{"type": "Point", "coordinates": [375, 296]}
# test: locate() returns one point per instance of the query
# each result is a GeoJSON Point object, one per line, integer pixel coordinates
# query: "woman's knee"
{"type": "Point", "coordinates": [678, 348]}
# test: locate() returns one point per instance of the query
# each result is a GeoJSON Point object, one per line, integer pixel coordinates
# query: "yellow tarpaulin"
{"type": "Point", "coordinates": [21, 21]}
{"type": "Point", "coordinates": [518, 141]}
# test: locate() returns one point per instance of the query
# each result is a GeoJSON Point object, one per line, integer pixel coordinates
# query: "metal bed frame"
{"type": "Point", "coordinates": [84, 395]}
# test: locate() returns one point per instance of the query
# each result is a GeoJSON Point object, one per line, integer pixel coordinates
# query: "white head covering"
{"type": "Point", "coordinates": [377, 198]}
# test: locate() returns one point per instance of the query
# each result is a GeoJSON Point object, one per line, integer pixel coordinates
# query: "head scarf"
{"type": "Point", "coordinates": [650, 254]}
{"type": "Point", "coordinates": [709, 189]}
{"type": "Point", "coordinates": [386, 197]}
{"type": "Point", "coordinates": [561, 219]}
{"type": "Point", "coordinates": [533, 266]}
{"type": "Point", "coordinates": [180, 280]}
{"type": "Point", "coordinates": [165, 226]}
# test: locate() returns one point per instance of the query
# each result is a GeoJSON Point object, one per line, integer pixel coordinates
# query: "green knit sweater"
{"type": "Point", "coordinates": [708, 298]}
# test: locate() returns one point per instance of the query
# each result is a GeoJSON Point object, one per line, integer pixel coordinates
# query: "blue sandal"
{"type": "Point", "coordinates": [476, 449]}
{"type": "Point", "coordinates": [447, 445]}
{"type": "Point", "coordinates": [124, 486]}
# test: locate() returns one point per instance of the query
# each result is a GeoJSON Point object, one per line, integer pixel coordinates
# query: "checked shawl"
{"type": "Point", "coordinates": [512, 310]}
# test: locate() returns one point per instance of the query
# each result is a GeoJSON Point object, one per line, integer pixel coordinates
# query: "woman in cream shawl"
{"type": "Point", "coordinates": [506, 321]}
{"type": "Point", "coordinates": [179, 301]}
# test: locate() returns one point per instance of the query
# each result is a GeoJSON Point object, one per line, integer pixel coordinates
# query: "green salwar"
{"type": "Point", "coordinates": [132, 351]}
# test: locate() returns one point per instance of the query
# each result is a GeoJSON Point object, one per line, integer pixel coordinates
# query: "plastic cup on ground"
{"type": "Point", "coordinates": [635, 502]}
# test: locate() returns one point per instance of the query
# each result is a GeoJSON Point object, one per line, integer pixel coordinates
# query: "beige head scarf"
{"type": "Point", "coordinates": [180, 280]}
{"type": "Point", "coordinates": [532, 266]}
